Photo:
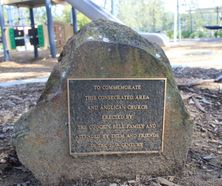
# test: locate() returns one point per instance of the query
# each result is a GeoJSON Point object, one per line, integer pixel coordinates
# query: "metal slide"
{"type": "Point", "coordinates": [93, 11]}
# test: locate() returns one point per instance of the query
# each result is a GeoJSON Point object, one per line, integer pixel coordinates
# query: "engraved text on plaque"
{"type": "Point", "coordinates": [111, 116]}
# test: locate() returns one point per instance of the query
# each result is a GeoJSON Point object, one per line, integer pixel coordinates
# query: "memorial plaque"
{"type": "Point", "coordinates": [112, 116]}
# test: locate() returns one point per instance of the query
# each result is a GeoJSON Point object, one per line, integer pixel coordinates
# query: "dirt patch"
{"type": "Point", "coordinates": [23, 66]}
{"type": "Point", "coordinates": [205, 53]}
{"type": "Point", "coordinates": [204, 160]}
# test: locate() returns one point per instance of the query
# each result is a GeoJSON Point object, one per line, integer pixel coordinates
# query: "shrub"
{"type": "Point", "coordinates": [170, 34]}
{"type": "Point", "coordinates": [218, 33]}
{"type": "Point", "coordinates": [185, 33]}
{"type": "Point", "coordinates": [201, 33]}
{"type": "Point", "coordinates": [192, 35]}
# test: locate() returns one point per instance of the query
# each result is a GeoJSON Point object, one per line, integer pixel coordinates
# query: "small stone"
{"type": "Point", "coordinates": [131, 181]}
{"type": "Point", "coordinates": [203, 130]}
{"type": "Point", "coordinates": [90, 38]}
{"type": "Point", "coordinates": [113, 184]}
{"type": "Point", "coordinates": [214, 141]}
{"type": "Point", "coordinates": [157, 55]}
{"type": "Point", "coordinates": [187, 166]}
{"type": "Point", "coordinates": [2, 136]}
{"type": "Point", "coordinates": [190, 102]}
{"type": "Point", "coordinates": [3, 161]}
{"type": "Point", "coordinates": [212, 125]}
{"type": "Point", "coordinates": [5, 118]}
{"type": "Point", "coordinates": [138, 179]}
{"type": "Point", "coordinates": [105, 39]}
{"type": "Point", "coordinates": [154, 184]}
{"type": "Point", "coordinates": [115, 180]}
{"type": "Point", "coordinates": [205, 148]}
{"type": "Point", "coordinates": [12, 151]}
{"type": "Point", "coordinates": [171, 179]}
{"type": "Point", "coordinates": [203, 135]}
{"type": "Point", "coordinates": [208, 157]}
{"type": "Point", "coordinates": [219, 152]}
{"type": "Point", "coordinates": [5, 129]}
{"type": "Point", "coordinates": [212, 150]}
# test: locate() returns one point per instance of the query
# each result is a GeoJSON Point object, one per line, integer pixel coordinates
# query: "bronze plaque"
{"type": "Point", "coordinates": [113, 116]}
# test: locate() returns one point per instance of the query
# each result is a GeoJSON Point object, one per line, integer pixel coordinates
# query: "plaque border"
{"type": "Point", "coordinates": [113, 79]}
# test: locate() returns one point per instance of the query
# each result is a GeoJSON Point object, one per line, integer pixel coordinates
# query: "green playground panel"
{"type": "Point", "coordinates": [40, 36]}
{"type": "Point", "coordinates": [12, 38]}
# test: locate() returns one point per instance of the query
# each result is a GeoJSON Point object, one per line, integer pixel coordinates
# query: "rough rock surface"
{"type": "Point", "coordinates": [102, 49]}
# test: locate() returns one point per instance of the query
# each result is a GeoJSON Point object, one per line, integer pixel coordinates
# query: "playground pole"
{"type": "Point", "coordinates": [191, 22]}
{"type": "Point", "coordinates": [113, 12]}
{"type": "Point", "coordinates": [50, 28]}
{"type": "Point", "coordinates": [218, 17]}
{"type": "Point", "coordinates": [175, 27]}
{"type": "Point", "coordinates": [74, 20]}
{"type": "Point", "coordinates": [178, 15]}
{"type": "Point", "coordinates": [6, 52]}
{"type": "Point", "coordinates": [33, 26]}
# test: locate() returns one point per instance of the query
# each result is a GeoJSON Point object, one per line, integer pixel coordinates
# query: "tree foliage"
{"type": "Point", "coordinates": [142, 15]}
{"type": "Point", "coordinates": [81, 18]}
{"type": "Point", "coordinates": [60, 13]}
{"type": "Point", "coordinates": [40, 15]}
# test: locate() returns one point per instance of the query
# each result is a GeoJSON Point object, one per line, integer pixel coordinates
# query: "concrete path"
{"type": "Point", "coordinates": [26, 81]}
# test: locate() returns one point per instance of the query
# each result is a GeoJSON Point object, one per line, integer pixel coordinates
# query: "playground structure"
{"type": "Point", "coordinates": [217, 9]}
{"type": "Point", "coordinates": [55, 34]}
{"type": "Point", "coordinates": [39, 36]}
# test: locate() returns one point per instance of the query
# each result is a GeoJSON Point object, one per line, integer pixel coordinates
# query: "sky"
{"type": "Point", "coordinates": [200, 4]}
{"type": "Point", "coordinates": [171, 5]}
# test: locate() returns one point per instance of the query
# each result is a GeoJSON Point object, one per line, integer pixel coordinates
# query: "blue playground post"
{"type": "Point", "coordinates": [50, 28]}
{"type": "Point", "coordinates": [113, 9]}
{"type": "Point", "coordinates": [33, 26]}
{"type": "Point", "coordinates": [6, 52]}
{"type": "Point", "coordinates": [74, 20]}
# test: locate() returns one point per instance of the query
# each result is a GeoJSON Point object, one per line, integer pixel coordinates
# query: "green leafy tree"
{"type": "Point", "coordinates": [82, 20]}
{"type": "Point", "coordinates": [142, 15]}
{"type": "Point", "coordinates": [40, 15]}
{"type": "Point", "coordinates": [66, 14]}
{"type": "Point", "coordinates": [60, 13]}
{"type": "Point", "coordinates": [155, 10]}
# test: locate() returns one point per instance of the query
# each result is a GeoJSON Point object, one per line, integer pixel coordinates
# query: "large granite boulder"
{"type": "Point", "coordinates": [102, 49]}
